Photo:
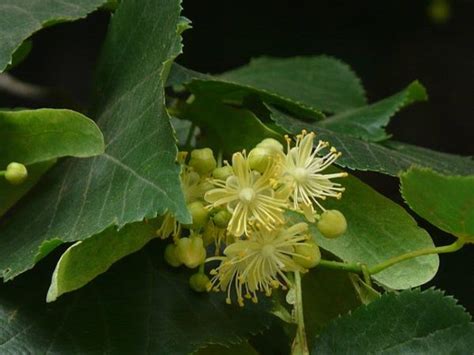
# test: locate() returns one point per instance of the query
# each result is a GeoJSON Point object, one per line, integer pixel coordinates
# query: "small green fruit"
{"type": "Point", "coordinates": [16, 173]}
{"type": "Point", "coordinates": [332, 224]}
{"type": "Point", "coordinates": [199, 213]}
{"type": "Point", "coordinates": [190, 251]}
{"type": "Point", "coordinates": [223, 172]}
{"type": "Point", "coordinates": [199, 282]}
{"type": "Point", "coordinates": [202, 160]}
{"type": "Point", "coordinates": [310, 255]}
{"type": "Point", "coordinates": [171, 257]}
{"type": "Point", "coordinates": [221, 219]}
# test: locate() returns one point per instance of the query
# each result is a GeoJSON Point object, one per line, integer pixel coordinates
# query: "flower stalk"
{"type": "Point", "coordinates": [359, 268]}
{"type": "Point", "coordinates": [300, 344]}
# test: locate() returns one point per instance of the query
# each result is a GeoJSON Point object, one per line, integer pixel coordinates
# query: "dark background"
{"type": "Point", "coordinates": [388, 43]}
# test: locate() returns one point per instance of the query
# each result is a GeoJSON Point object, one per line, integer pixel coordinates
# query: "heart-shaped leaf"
{"type": "Point", "coordinates": [411, 322]}
{"type": "Point", "coordinates": [137, 177]}
{"type": "Point", "coordinates": [379, 229]}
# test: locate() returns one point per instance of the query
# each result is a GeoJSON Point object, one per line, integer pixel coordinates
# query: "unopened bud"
{"type": "Point", "coordinates": [199, 213]}
{"type": "Point", "coordinates": [271, 144]}
{"type": "Point", "coordinates": [199, 282]}
{"type": "Point", "coordinates": [223, 172]}
{"type": "Point", "coordinates": [190, 251]}
{"type": "Point", "coordinates": [309, 255]}
{"type": "Point", "coordinates": [205, 186]}
{"type": "Point", "coordinates": [259, 158]}
{"type": "Point", "coordinates": [202, 160]}
{"type": "Point", "coordinates": [171, 257]}
{"type": "Point", "coordinates": [221, 219]}
{"type": "Point", "coordinates": [332, 224]}
{"type": "Point", "coordinates": [16, 173]}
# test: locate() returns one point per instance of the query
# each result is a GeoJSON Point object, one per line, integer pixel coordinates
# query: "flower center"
{"type": "Point", "coordinates": [300, 174]}
{"type": "Point", "coordinates": [246, 195]}
{"type": "Point", "coordinates": [268, 250]}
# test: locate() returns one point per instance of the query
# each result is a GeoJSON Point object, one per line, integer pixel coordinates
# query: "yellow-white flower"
{"type": "Point", "coordinates": [258, 264]}
{"type": "Point", "coordinates": [302, 172]}
{"type": "Point", "coordinates": [249, 196]}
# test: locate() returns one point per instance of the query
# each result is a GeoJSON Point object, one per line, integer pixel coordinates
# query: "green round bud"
{"type": "Point", "coordinates": [205, 186]}
{"type": "Point", "coordinates": [16, 173]}
{"type": "Point", "coordinates": [223, 172]}
{"type": "Point", "coordinates": [259, 158]}
{"type": "Point", "coordinates": [332, 224]}
{"type": "Point", "coordinates": [271, 144]}
{"type": "Point", "coordinates": [171, 257]}
{"type": "Point", "coordinates": [309, 255]}
{"type": "Point", "coordinates": [221, 219]}
{"type": "Point", "coordinates": [199, 282]}
{"type": "Point", "coordinates": [202, 160]}
{"type": "Point", "coordinates": [199, 213]}
{"type": "Point", "coordinates": [190, 251]}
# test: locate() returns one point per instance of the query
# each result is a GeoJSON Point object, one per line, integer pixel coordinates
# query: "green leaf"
{"type": "Point", "coordinates": [442, 162]}
{"type": "Point", "coordinates": [368, 122]}
{"type": "Point", "coordinates": [411, 322]}
{"type": "Point", "coordinates": [180, 75]}
{"type": "Point", "coordinates": [181, 130]}
{"type": "Point", "coordinates": [20, 54]}
{"type": "Point", "coordinates": [315, 83]}
{"type": "Point", "coordinates": [379, 229]}
{"type": "Point", "coordinates": [224, 125]}
{"type": "Point", "coordinates": [321, 83]}
{"type": "Point", "coordinates": [137, 177]}
{"type": "Point", "coordinates": [327, 294]}
{"type": "Point", "coordinates": [85, 260]}
{"type": "Point", "coordinates": [389, 158]}
{"type": "Point", "coordinates": [11, 194]}
{"type": "Point", "coordinates": [32, 136]}
{"type": "Point", "coordinates": [445, 201]}
{"type": "Point", "coordinates": [37, 138]}
{"type": "Point", "coordinates": [20, 19]}
{"type": "Point", "coordinates": [139, 306]}
{"type": "Point", "coordinates": [303, 85]}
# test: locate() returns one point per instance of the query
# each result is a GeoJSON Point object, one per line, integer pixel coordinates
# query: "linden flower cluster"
{"type": "Point", "coordinates": [240, 208]}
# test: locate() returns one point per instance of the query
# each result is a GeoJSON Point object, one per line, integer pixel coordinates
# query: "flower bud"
{"type": "Point", "coordinates": [199, 282]}
{"type": "Point", "coordinates": [332, 224]}
{"type": "Point", "coordinates": [171, 257]}
{"type": "Point", "coordinates": [202, 160]}
{"type": "Point", "coordinates": [205, 186]}
{"type": "Point", "coordinates": [223, 172]}
{"type": "Point", "coordinates": [221, 219]}
{"type": "Point", "coordinates": [190, 251]}
{"type": "Point", "coordinates": [259, 158]}
{"type": "Point", "coordinates": [199, 213]}
{"type": "Point", "coordinates": [16, 173]}
{"type": "Point", "coordinates": [271, 144]}
{"type": "Point", "coordinates": [309, 255]}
